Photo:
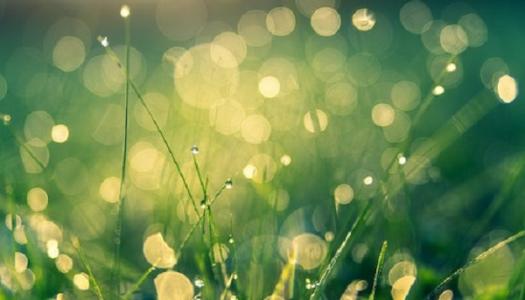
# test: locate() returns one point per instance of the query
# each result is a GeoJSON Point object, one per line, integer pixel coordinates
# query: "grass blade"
{"type": "Point", "coordinates": [339, 253]}
{"type": "Point", "coordinates": [474, 261]}
{"type": "Point", "coordinates": [85, 264]}
{"type": "Point", "coordinates": [379, 268]}
{"type": "Point", "coordinates": [122, 195]}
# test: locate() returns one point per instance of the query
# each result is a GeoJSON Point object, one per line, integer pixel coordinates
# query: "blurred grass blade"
{"type": "Point", "coordinates": [379, 268]}
{"type": "Point", "coordinates": [476, 260]}
{"type": "Point", "coordinates": [343, 248]}
{"type": "Point", "coordinates": [85, 264]}
{"type": "Point", "coordinates": [516, 285]}
{"type": "Point", "coordinates": [161, 133]}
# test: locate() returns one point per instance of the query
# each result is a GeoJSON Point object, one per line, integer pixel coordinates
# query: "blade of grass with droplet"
{"type": "Point", "coordinates": [115, 276]}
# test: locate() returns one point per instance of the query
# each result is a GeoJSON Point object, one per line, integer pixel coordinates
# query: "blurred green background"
{"type": "Point", "coordinates": [444, 171]}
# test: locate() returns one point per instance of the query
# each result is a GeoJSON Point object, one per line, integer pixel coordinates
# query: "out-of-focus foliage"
{"type": "Point", "coordinates": [287, 120]}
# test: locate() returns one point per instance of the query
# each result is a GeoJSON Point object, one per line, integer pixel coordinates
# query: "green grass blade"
{"type": "Point", "coordinates": [474, 261]}
{"type": "Point", "coordinates": [379, 268]}
{"type": "Point", "coordinates": [343, 248]}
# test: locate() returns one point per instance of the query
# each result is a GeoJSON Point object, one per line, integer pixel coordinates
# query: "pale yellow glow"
{"type": "Point", "coordinates": [280, 21]}
{"type": "Point", "coordinates": [415, 16]}
{"type": "Point", "coordinates": [19, 235]}
{"type": "Point", "coordinates": [52, 248]}
{"type": "Point", "coordinates": [109, 189]}
{"type": "Point", "coordinates": [383, 115]}
{"type": "Point", "coordinates": [401, 287]}
{"type": "Point", "coordinates": [81, 281]}
{"type": "Point", "coordinates": [171, 285]}
{"type": "Point", "coordinates": [286, 160]}
{"type": "Point", "coordinates": [37, 199]}
{"type": "Point", "coordinates": [227, 117]}
{"type": "Point", "coordinates": [310, 249]}
{"type": "Point", "coordinates": [507, 89]}
{"type": "Point", "coordinates": [249, 171]}
{"type": "Point", "coordinates": [69, 53]}
{"type": "Point", "coordinates": [451, 67]}
{"type": "Point", "coordinates": [363, 19]}
{"type": "Point", "coordinates": [64, 263]}
{"type": "Point", "coordinates": [21, 262]}
{"type": "Point", "coordinates": [453, 39]}
{"type": "Point", "coordinates": [256, 129]}
{"type": "Point", "coordinates": [401, 269]}
{"type": "Point", "coordinates": [269, 86]}
{"type": "Point", "coordinates": [124, 11]}
{"type": "Point", "coordinates": [228, 49]}
{"type": "Point", "coordinates": [59, 133]}
{"type": "Point", "coordinates": [252, 27]}
{"type": "Point", "coordinates": [368, 180]}
{"type": "Point", "coordinates": [325, 21]}
{"type": "Point", "coordinates": [158, 253]}
{"type": "Point", "coordinates": [343, 194]}
{"type": "Point", "coordinates": [264, 168]}
{"type": "Point", "coordinates": [446, 295]}
{"type": "Point", "coordinates": [405, 95]}
{"type": "Point", "coordinates": [315, 125]}
{"type": "Point", "coordinates": [12, 221]}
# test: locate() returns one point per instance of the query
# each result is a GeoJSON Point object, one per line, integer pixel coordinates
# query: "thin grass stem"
{"type": "Point", "coordinates": [85, 264]}
{"type": "Point", "coordinates": [122, 190]}
{"type": "Point", "coordinates": [379, 268]}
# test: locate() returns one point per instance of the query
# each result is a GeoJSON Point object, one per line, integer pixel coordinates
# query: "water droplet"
{"type": "Point", "coordinates": [368, 180]}
{"type": "Point", "coordinates": [103, 40]}
{"type": "Point", "coordinates": [451, 67]}
{"type": "Point", "coordinates": [194, 150]}
{"type": "Point", "coordinates": [231, 240]}
{"type": "Point", "coordinates": [124, 11]}
{"type": "Point", "coordinates": [204, 203]}
{"type": "Point", "coordinates": [234, 276]}
{"type": "Point", "coordinates": [198, 282]}
{"type": "Point", "coordinates": [438, 90]}
{"type": "Point", "coordinates": [228, 183]}
{"type": "Point", "coordinates": [402, 159]}
{"type": "Point", "coordinates": [6, 119]}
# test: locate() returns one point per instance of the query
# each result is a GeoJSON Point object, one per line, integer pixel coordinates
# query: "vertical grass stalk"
{"type": "Point", "coordinates": [379, 268]}
{"type": "Point", "coordinates": [122, 191]}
